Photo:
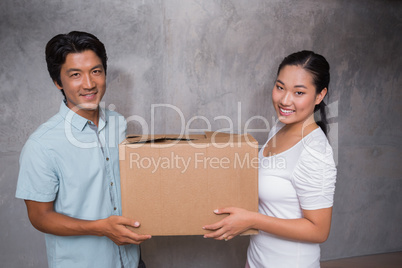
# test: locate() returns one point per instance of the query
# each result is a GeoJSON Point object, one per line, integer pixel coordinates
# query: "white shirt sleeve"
{"type": "Point", "coordinates": [315, 174]}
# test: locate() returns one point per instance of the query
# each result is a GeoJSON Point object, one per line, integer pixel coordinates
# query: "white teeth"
{"type": "Point", "coordinates": [286, 111]}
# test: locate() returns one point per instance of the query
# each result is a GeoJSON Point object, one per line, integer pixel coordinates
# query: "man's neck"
{"type": "Point", "coordinates": [89, 114]}
{"type": "Point", "coordinates": [92, 115]}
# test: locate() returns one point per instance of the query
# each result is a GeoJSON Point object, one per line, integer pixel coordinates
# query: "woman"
{"type": "Point", "coordinates": [295, 198]}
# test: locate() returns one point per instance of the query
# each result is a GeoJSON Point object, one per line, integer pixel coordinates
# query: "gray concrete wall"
{"type": "Point", "coordinates": [218, 58]}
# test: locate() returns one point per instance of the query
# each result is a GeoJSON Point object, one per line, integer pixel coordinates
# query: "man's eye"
{"type": "Point", "coordinates": [97, 71]}
{"type": "Point", "coordinates": [75, 75]}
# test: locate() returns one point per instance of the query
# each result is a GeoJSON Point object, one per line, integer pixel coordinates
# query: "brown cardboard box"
{"type": "Point", "coordinates": [171, 185]}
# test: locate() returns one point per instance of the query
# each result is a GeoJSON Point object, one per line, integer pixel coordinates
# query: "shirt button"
{"type": "Point", "coordinates": [107, 158]}
{"type": "Point", "coordinates": [89, 122]}
{"type": "Point", "coordinates": [114, 208]}
{"type": "Point", "coordinates": [111, 184]}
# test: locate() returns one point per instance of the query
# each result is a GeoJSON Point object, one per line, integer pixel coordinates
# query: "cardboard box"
{"type": "Point", "coordinates": [172, 184]}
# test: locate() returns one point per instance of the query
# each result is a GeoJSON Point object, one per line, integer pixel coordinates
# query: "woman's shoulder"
{"type": "Point", "coordinates": [317, 141]}
{"type": "Point", "coordinates": [316, 150]}
{"type": "Point", "coordinates": [316, 161]}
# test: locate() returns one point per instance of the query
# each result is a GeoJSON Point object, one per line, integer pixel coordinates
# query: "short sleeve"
{"type": "Point", "coordinates": [37, 179]}
{"type": "Point", "coordinates": [314, 176]}
{"type": "Point", "coordinates": [122, 128]}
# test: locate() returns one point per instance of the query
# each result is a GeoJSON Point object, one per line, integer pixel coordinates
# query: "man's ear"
{"type": "Point", "coordinates": [57, 85]}
{"type": "Point", "coordinates": [320, 96]}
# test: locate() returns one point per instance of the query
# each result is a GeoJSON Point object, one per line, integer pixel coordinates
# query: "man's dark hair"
{"type": "Point", "coordinates": [61, 45]}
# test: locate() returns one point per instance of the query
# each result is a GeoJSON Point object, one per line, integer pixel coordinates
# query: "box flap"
{"type": "Point", "coordinates": [133, 139]}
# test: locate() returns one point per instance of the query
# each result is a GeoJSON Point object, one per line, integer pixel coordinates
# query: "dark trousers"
{"type": "Point", "coordinates": [141, 264]}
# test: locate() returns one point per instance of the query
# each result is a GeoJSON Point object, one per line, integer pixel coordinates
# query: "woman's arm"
{"type": "Point", "coordinates": [45, 219]}
{"type": "Point", "coordinates": [313, 227]}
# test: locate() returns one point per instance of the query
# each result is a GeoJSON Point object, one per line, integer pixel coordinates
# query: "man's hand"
{"type": "Point", "coordinates": [115, 228]}
{"type": "Point", "coordinates": [45, 219]}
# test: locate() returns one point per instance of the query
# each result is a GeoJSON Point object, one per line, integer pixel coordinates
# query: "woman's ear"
{"type": "Point", "coordinates": [320, 96]}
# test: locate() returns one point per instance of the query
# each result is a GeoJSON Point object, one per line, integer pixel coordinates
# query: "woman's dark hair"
{"type": "Point", "coordinates": [318, 67]}
{"type": "Point", "coordinates": [61, 45]}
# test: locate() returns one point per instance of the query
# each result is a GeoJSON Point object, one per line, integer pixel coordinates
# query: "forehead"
{"type": "Point", "coordinates": [292, 75]}
{"type": "Point", "coordinates": [82, 60]}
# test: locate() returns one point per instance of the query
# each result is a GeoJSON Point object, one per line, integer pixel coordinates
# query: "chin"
{"type": "Point", "coordinates": [285, 120]}
{"type": "Point", "coordinates": [89, 106]}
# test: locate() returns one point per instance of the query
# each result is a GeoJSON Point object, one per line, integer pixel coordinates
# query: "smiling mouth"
{"type": "Point", "coordinates": [89, 96]}
{"type": "Point", "coordinates": [286, 111]}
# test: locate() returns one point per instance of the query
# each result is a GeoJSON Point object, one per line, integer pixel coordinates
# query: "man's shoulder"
{"type": "Point", "coordinates": [110, 113]}
{"type": "Point", "coordinates": [48, 128]}
{"type": "Point", "coordinates": [117, 118]}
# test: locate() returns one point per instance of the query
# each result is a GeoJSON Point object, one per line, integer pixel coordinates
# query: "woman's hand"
{"type": "Point", "coordinates": [236, 223]}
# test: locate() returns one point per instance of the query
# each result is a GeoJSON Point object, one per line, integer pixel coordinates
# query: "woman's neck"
{"type": "Point", "coordinates": [300, 128]}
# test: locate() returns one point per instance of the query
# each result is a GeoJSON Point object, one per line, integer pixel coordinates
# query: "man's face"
{"type": "Point", "coordinates": [83, 81]}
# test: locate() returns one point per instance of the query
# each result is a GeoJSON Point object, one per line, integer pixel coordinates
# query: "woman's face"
{"type": "Point", "coordinates": [294, 95]}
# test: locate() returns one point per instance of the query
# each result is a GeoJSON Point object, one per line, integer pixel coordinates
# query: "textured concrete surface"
{"type": "Point", "coordinates": [211, 64]}
{"type": "Point", "coordinates": [385, 260]}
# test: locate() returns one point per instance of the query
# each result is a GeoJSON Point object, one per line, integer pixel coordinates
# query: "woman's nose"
{"type": "Point", "coordinates": [286, 99]}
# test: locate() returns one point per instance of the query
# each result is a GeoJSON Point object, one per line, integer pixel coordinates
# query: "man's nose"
{"type": "Point", "coordinates": [88, 82]}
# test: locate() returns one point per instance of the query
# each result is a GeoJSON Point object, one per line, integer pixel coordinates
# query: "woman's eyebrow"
{"type": "Point", "coordinates": [279, 81]}
{"type": "Point", "coordinates": [300, 86]}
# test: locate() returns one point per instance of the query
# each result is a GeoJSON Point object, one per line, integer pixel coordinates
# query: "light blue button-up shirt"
{"type": "Point", "coordinates": [72, 162]}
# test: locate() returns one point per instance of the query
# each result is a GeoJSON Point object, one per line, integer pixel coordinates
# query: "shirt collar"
{"type": "Point", "coordinates": [78, 121]}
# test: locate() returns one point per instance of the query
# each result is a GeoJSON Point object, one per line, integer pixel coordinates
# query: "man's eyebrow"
{"type": "Point", "coordinates": [73, 70]}
{"type": "Point", "coordinates": [79, 70]}
{"type": "Point", "coordinates": [97, 66]}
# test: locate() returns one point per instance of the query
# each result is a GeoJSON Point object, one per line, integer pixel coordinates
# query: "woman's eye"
{"type": "Point", "coordinates": [279, 87]}
{"type": "Point", "coordinates": [299, 93]}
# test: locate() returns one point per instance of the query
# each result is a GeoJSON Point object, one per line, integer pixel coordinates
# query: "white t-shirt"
{"type": "Point", "coordinates": [302, 177]}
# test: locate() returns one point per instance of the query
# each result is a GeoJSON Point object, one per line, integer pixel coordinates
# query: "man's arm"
{"type": "Point", "coordinates": [45, 219]}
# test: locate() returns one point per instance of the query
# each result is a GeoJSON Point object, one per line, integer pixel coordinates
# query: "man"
{"type": "Point", "coordinates": [69, 167]}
